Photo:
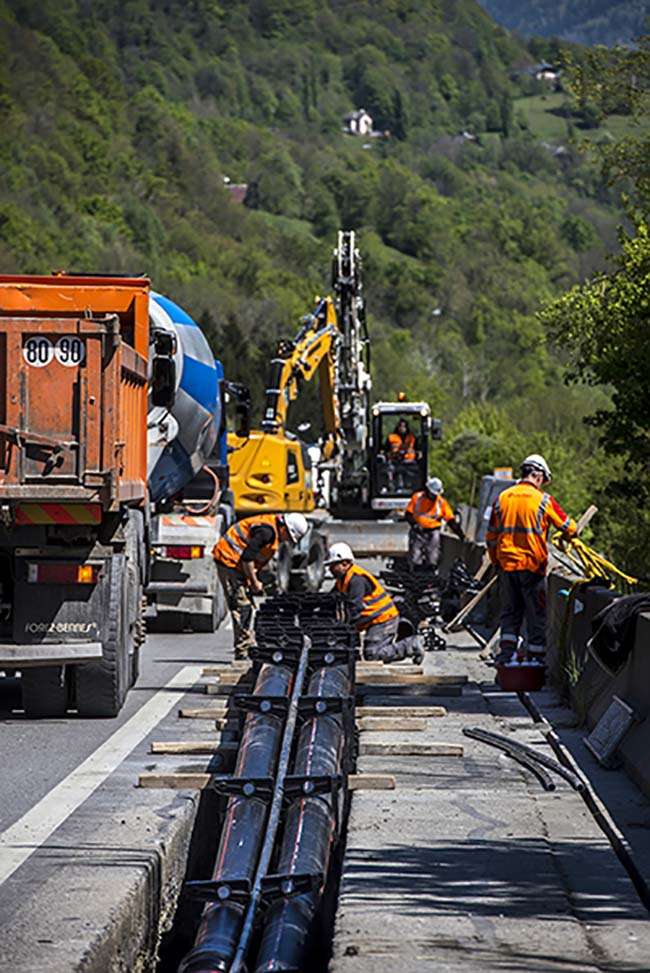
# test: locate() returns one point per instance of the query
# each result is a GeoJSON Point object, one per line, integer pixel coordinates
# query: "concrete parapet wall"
{"type": "Point", "coordinates": [572, 670]}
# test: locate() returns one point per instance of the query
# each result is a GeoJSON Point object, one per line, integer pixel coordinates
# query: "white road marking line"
{"type": "Point", "coordinates": [31, 831]}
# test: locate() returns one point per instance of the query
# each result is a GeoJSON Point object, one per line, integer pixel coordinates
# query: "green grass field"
{"type": "Point", "coordinates": [540, 114]}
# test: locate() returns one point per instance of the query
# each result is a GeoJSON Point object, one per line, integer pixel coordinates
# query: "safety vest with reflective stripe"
{"type": "Point", "coordinates": [519, 524]}
{"type": "Point", "coordinates": [402, 448]}
{"type": "Point", "coordinates": [229, 549]}
{"type": "Point", "coordinates": [378, 606]}
{"type": "Point", "coordinates": [429, 512]}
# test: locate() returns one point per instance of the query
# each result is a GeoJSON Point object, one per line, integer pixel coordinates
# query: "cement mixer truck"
{"type": "Point", "coordinates": [110, 405]}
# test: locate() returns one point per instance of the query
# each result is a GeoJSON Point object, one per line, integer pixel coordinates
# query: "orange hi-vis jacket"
{"type": "Point", "coordinates": [229, 548]}
{"type": "Point", "coordinates": [402, 447]}
{"type": "Point", "coordinates": [519, 524]}
{"type": "Point", "coordinates": [378, 606]}
{"type": "Point", "coordinates": [429, 512]}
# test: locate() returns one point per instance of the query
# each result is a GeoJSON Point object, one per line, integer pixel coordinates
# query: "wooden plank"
{"type": "Point", "coordinates": [366, 669]}
{"type": "Point", "coordinates": [405, 679]}
{"type": "Point", "coordinates": [389, 724]}
{"type": "Point", "coordinates": [371, 782]}
{"type": "Point", "coordinates": [417, 711]}
{"type": "Point", "coordinates": [394, 691]}
{"type": "Point", "coordinates": [175, 781]}
{"type": "Point", "coordinates": [225, 689]}
{"type": "Point", "coordinates": [199, 781]}
{"type": "Point", "coordinates": [238, 667]}
{"type": "Point", "coordinates": [408, 749]}
{"type": "Point", "coordinates": [193, 747]}
{"type": "Point", "coordinates": [232, 679]}
{"type": "Point", "coordinates": [215, 711]}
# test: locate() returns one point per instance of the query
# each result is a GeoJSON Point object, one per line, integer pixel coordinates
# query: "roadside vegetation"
{"type": "Point", "coordinates": [126, 128]}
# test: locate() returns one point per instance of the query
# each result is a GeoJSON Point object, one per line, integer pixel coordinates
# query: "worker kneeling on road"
{"type": "Point", "coordinates": [426, 512]}
{"type": "Point", "coordinates": [516, 541]}
{"type": "Point", "coordinates": [373, 611]}
{"type": "Point", "coordinates": [244, 549]}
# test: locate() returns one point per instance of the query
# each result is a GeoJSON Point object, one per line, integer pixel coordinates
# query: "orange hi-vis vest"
{"type": "Point", "coordinates": [402, 448]}
{"type": "Point", "coordinates": [378, 606]}
{"type": "Point", "coordinates": [519, 524]}
{"type": "Point", "coordinates": [229, 548]}
{"type": "Point", "coordinates": [429, 512]}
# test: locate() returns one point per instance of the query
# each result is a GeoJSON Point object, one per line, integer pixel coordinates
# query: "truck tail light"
{"type": "Point", "coordinates": [183, 552]}
{"type": "Point", "coordinates": [47, 572]}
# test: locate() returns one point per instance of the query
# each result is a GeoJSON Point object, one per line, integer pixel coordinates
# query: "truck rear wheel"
{"type": "Point", "coordinates": [44, 692]}
{"type": "Point", "coordinates": [211, 622]}
{"type": "Point", "coordinates": [102, 686]}
{"type": "Point", "coordinates": [310, 575]}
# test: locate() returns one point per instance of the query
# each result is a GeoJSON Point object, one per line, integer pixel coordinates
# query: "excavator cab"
{"type": "Point", "coordinates": [399, 452]}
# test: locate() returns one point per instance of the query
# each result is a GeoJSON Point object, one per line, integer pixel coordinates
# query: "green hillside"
{"type": "Point", "coordinates": [120, 122]}
{"type": "Point", "coordinates": [582, 21]}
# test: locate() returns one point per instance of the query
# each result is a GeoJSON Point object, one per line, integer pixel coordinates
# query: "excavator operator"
{"type": "Point", "coordinates": [372, 609]}
{"type": "Point", "coordinates": [401, 455]}
{"type": "Point", "coordinates": [400, 445]}
{"type": "Point", "coordinates": [244, 549]}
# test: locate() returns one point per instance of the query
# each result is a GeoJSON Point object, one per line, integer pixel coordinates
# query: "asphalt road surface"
{"type": "Point", "coordinates": [60, 775]}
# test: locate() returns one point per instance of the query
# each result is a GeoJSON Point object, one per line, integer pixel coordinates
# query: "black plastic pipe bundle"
{"type": "Point", "coordinates": [309, 830]}
{"type": "Point", "coordinates": [243, 830]}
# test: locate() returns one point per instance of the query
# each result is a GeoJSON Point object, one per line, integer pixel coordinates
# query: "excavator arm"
{"type": "Point", "coordinates": [312, 351]}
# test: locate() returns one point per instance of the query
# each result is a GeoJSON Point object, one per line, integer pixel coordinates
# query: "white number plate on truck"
{"type": "Point", "coordinates": [68, 351]}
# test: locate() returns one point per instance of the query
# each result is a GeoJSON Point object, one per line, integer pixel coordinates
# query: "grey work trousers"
{"type": "Point", "coordinates": [240, 604]}
{"type": "Point", "coordinates": [379, 643]}
{"type": "Point", "coordinates": [523, 595]}
{"type": "Point", "coordinates": [424, 547]}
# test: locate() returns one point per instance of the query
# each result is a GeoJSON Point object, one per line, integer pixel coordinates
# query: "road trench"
{"type": "Point", "coordinates": [265, 857]}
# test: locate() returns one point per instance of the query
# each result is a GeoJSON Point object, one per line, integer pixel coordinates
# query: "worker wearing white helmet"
{"type": "Point", "coordinates": [372, 609]}
{"type": "Point", "coordinates": [516, 539]}
{"type": "Point", "coordinates": [426, 512]}
{"type": "Point", "coordinates": [244, 549]}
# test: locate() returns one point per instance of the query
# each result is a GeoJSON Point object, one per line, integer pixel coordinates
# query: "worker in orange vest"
{"type": "Point", "coordinates": [426, 512]}
{"type": "Point", "coordinates": [401, 444]}
{"type": "Point", "coordinates": [372, 609]}
{"type": "Point", "coordinates": [516, 540]}
{"type": "Point", "coordinates": [245, 549]}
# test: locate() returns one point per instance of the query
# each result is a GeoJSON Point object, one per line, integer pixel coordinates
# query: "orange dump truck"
{"type": "Point", "coordinates": [74, 365]}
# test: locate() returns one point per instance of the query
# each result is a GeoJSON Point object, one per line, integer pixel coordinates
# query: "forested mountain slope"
{"type": "Point", "coordinates": [583, 21]}
{"type": "Point", "coordinates": [120, 121]}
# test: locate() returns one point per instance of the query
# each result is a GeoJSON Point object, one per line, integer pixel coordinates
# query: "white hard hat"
{"type": "Point", "coordinates": [537, 464]}
{"type": "Point", "coordinates": [339, 552]}
{"type": "Point", "coordinates": [434, 485]}
{"type": "Point", "coordinates": [296, 525]}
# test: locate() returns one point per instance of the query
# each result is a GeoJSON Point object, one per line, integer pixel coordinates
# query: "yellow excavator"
{"type": "Point", "coordinates": [271, 469]}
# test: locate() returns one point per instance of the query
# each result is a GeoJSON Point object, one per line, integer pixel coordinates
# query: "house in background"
{"type": "Point", "coordinates": [358, 122]}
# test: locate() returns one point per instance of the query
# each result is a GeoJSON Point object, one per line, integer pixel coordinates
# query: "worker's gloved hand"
{"type": "Point", "coordinates": [256, 588]}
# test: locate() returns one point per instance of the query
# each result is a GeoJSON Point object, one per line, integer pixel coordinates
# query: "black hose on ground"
{"type": "Point", "coordinates": [521, 758]}
{"type": "Point", "coordinates": [541, 758]}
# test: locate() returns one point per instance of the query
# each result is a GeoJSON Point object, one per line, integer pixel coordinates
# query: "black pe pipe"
{"type": "Point", "coordinates": [309, 830]}
{"type": "Point", "coordinates": [243, 830]}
